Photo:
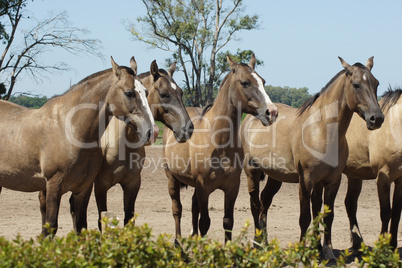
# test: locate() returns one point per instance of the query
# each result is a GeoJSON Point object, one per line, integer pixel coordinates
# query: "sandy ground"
{"type": "Point", "coordinates": [20, 211]}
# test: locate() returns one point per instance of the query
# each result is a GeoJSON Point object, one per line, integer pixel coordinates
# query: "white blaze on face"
{"type": "Point", "coordinates": [173, 85]}
{"type": "Point", "coordinates": [364, 77]}
{"type": "Point", "coordinates": [267, 100]}
{"type": "Point", "coordinates": [141, 91]}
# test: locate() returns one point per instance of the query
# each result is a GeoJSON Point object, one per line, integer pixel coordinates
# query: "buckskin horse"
{"type": "Point", "coordinates": [308, 145]}
{"type": "Point", "coordinates": [55, 149]}
{"type": "Point", "coordinates": [376, 155]}
{"type": "Point", "coordinates": [123, 156]}
{"type": "Point", "coordinates": [212, 158]}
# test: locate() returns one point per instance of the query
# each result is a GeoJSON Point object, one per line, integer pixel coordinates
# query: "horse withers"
{"type": "Point", "coordinates": [212, 158]}
{"type": "Point", "coordinates": [308, 146]}
{"type": "Point", "coordinates": [55, 149]}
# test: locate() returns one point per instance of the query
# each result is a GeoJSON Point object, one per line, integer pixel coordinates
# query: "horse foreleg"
{"type": "Point", "coordinates": [316, 199]}
{"type": "Point", "coordinates": [195, 213]}
{"type": "Point", "coordinates": [304, 197]}
{"type": "Point", "coordinates": [230, 199]}
{"type": "Point", "coordinates": [42, 205]}
{"type": "Point", "coordinates": [383, 189]}
{"type": "Point", "coordinates": [270, 190]}
{"type": "Point", "coordinates": [101, 199]}
{"type": "Point", "coordinates": [130, 191]}
{"type": "Point", "coordinates": [396, 212]}
{"type": "Point", "coordinates": [330, 193]}
{"type": "Point", "coordinates": [352, 196]}
{"type": "Point", "coordinates": [79, 209]}
{"type": "Point", "coordinates": [174, 192]}
{"type": "Point", "coordinates": [53, 197]}
{"type": "Point", "coordinates": [254, 176]}
{"type": "Point", "coordinates": [202, 197]}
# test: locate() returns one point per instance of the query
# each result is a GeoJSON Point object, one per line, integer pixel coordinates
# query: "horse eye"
{"type": "Point", "coordinates": [245, 83]}
{"type": "Point", "coordinates": [164, 95]}
{"type": "Point", "coordinates": [129, 94]}
{"type": "Point", "coordinates": [356, 86]}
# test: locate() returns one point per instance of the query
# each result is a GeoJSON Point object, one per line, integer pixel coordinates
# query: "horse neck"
{"type": "Point", "coordinates": [333, 107]}
{"type": "Point", "coordinates": [85, 107]}
{"type": "Point", "coordinates": [224, 117]}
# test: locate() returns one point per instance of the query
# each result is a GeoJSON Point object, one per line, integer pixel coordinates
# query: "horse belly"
{"type": "Point", "coordinates": [23, 183]}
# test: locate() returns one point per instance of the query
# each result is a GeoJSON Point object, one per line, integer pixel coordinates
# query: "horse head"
{"type": "Point", "coordinates": [127, 101]}
{"type": "Point", "coordinates": [165, 100]}
{"type": "Point", "coordinates": [250, 93]}
{"type": "Point", "coordinates": [361, 93]}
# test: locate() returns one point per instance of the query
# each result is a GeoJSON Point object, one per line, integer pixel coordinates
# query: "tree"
{"type": "Point", "coordinates": [191, 29]}
{"type": "Point", "coordinates": [291, 96]}
{"type": "Point", "coordinates": [53, 32]}
{"type": "Point", "coordinates": [28, 101]}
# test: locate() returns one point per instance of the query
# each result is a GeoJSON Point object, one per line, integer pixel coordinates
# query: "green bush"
{"type": "Point", "coordinates": [135, 246]}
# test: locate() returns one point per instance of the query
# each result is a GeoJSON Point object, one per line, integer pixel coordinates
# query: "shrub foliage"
{"type": "Point", "coordinates": [135, 246]}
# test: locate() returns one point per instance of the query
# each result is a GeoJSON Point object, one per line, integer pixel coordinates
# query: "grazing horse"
{"type": "Point", "coordinates": [376, 155]}
{"type": "Point", "coordinates": [55, 149]}
{"type": "Point", "coordinates": [308, 145]}
{"type": "Point", "coordinates": [212, 158]}
{"type": "Point", "coordinates": [123, 156]}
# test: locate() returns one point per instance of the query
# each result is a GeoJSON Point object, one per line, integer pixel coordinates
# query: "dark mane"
{"type": "Point", "coordinates": [390, 98]}
{"type": "Point", "coordinates": [143, 75]}
{"type": "Point", "coordinates": [308, 103]}
{"type": "Point", "coordinates": [206, 109]}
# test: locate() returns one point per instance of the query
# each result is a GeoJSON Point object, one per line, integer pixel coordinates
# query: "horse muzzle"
{"type": "Point", "coordinates": [185, 133]}
{"type": "Point", "coordinates": [374, 121]}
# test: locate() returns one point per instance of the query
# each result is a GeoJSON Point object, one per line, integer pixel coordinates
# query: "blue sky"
{"type": "Point", "coordinates": [299, 41]}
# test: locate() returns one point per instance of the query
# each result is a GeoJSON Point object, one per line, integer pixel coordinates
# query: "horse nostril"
{"type": "Point", "coordinates": [372, 119]}
{"type": "Point", "coordinates": [267, 113]}
{"type": "Point", "coordinates": [148, 135]}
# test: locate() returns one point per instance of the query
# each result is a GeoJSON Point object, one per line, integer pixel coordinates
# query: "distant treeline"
{"type": "Point", "coordinates": [291, 96]}
{"type": "Point", "coordinates": [29, 102]}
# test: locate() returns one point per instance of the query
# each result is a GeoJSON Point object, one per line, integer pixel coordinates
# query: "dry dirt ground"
{"type": "Point", "coordinates": [20, 213]}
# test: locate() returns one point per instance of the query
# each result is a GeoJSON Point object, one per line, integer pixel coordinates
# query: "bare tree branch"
{"type": "Point", "coordinates": [55, 32]}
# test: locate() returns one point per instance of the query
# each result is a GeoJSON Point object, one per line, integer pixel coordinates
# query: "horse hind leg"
{"type": "Point", "coordinates": [195, 212]}
{"type": "Point", "coordinates": [78, 208]}
{"type": "Point", "coordinates": [42, 205]}
{"type": "Point", "coordinates": [352, 196]}
{"type": "Point", "coordinates": [254, 175]}
{"type": "Point", "coordinates": [177, 208]}
{"type": "Point", "coordinates": [396, 212]}
{"type": "Point", "coordinates": [270, 190]}
{"type": "Point", "coordinates": [383, 189]}
{"type": "Point", "coordinates": [100, 190]}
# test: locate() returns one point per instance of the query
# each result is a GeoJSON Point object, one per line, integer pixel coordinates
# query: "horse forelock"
{"type": "Point", "coordinates": [390, 98]}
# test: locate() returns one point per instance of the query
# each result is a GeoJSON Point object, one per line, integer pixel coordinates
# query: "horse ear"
{"type": "Point", "coordinates": [370, 63]}
{"type": "Point", "coordinates": [154, 70]}
{"type": "Point", "coordinates": [252, 61]}
{"type": "Point", "coordinates": [345, 65]}
{"type": "Point", "coordinates": [116, 68]}
{"type": "Point", "coordinates": [133, 65]}
{"type": "Point", "coordinates": [232, 63]}
{"type": "Point", "coordinates": [172, 69]}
